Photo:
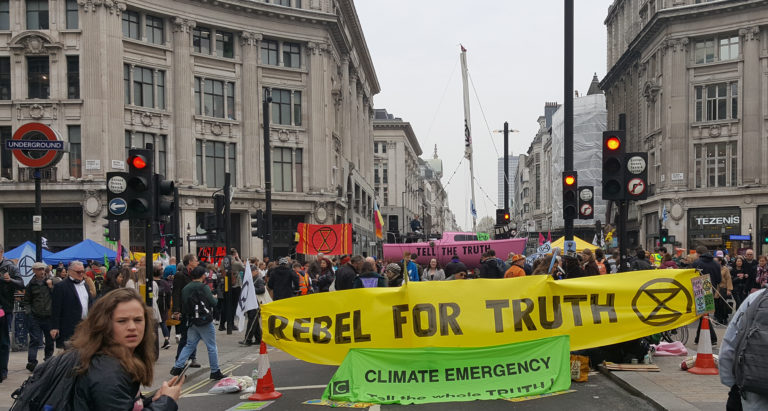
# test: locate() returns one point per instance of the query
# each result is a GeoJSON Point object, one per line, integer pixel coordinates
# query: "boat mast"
{"type": "Point", "coordinates": [468, 135]}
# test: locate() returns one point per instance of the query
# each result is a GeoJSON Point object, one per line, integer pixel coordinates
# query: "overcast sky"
{"type": "Point", "coordinates": [515, 60]}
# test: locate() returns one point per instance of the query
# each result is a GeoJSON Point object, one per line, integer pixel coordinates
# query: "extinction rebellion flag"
{"type": "Point", "coordinates": [335, 239]}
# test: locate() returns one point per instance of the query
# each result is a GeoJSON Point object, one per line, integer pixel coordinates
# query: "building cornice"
{"type": "Point", "coordinates": [400, 125]}
{"type": "Point", "coordinates": [664, 18]}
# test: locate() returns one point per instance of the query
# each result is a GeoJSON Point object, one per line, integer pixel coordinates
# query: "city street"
{"type": "Point", "coordinates": [300, 381]}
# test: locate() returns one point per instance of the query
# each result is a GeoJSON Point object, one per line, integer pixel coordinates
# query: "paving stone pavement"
{"type": "Point", "coordinates": [674, 389]}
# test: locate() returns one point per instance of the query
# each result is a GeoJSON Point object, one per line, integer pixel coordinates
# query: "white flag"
{"type": "Point", "coordinates": [26, 260]}
{"type": "Point", "coordinates": [248, 299]}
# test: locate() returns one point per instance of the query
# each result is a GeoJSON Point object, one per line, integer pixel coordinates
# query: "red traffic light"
{"type": "Point", "coordinates": [138, 162]}
{"type": "Point", "coordinates": [570, 180]}
{"type": "Point", "coordinates": [613, 143]}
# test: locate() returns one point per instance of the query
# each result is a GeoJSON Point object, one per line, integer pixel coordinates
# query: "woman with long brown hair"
{"type": "Point", "coordinates": [116, 349]}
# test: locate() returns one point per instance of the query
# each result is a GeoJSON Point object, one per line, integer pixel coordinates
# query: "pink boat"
{"type": "Point", "coordinates": [464, 245]}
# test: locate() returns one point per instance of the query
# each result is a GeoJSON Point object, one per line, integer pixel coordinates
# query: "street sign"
{"type": "Point", "coordinates": [586, 194]}
{"type": "Point", "coordinates": [37, 223]}
{"type": "Point", "coordinates": [202, 237]}
{"type": "Point", "coordinates": [117, 184]}
{"type": "Point", "coordinates": [118, 206]}
{"type": "Point", "coordinates": [570, 246]}
{"type": "Point", "coordinates": [585, 210]}
{"type": "Point", "coordinates": [636, 187]}
{"type": "Point", "coordinates": [636, 164]}
{"type": "Point", "coordinates": [36, 145]}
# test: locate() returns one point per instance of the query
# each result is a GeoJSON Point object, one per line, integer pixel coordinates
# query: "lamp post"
{"type": "Point", "coordinates": [506, 132]}
{"type": "Point", "coordinates": [189, 247]}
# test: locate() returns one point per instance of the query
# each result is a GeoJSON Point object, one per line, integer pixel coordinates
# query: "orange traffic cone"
{"type": "Point", "coordinates": [265, 388]}
{"type": "Point", "coordinates": [705, 363]}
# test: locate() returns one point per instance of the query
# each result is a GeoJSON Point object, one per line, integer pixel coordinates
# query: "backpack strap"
{"type": "Point", "coordinates": [744, 326]}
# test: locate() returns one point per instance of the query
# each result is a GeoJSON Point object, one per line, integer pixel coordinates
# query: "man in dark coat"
{"type": "Point", "coordinates": [10, 281]}
{"type": "Point", "coordinates": [707, 265]}
{"type": "Point", "coordinates": [283, 281]}
{"type": "Point", "coordinates": [71, 301]}
{"type": "Point", "coordinates": [489, 267]}
{"type": "Point", "coordinates": [454, 266]}
{"type": "Point", "coordinates": [38, 300]}
{"type": "Point", "coordinates": [345, 275]}
{"type": "Point", "coordinates": [180, 280]}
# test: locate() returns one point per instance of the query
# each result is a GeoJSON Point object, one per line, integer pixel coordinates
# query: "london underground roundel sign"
{"type": "Point", "coordinates": [36, 145]}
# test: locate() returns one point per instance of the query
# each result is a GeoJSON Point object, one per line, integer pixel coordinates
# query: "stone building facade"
{"type": "Point", "coordinates": [688, 80]}
{"type": "Point", "coordinates": [190, 77]}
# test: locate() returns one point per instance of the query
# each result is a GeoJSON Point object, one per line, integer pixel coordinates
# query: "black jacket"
{"type": "Point", "coordinates": [107, 387]}
{"type": "Point", "coordinates": [454, 267]}
{"type": "Point", "coordinates": [490, 269]}
{"type": "Point", "coordinates": [639, 264]}
{"type": "Point", "coordinates": [66, 309]}
{"type": "Point", "coordinates": [180, 280]}
{"type": "Point", "coordinates": [345, 277]}
{"type": "Point", "coordinates": [7, 288]}
{"type": "Point", "coordinates": [325, 280]}
{"type": "Point", "coordinates": [283, 282]}
{"type": "Point", "coordinates": [38, 299]}
{"type": "Point", "coordinates": [708, 265]}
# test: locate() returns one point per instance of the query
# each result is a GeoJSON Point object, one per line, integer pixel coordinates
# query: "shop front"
{"type": "Point", "coordinates": [716, 228]}
{"type": "Point", "coordinates": [761, 247]}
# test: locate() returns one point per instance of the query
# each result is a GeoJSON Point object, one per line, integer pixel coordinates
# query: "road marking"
{"type": "Point", "coordinates": [194, 387]}
{"type": "Point", "coordinates": [300, 387]}
{"type": "Point", "coordinates": [374, 407]}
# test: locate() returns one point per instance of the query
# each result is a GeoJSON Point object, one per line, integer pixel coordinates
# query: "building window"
{"type": "Point", "coordinates": [154, 29]}
{"type": "Point", "coordinates": [38, 77]}
{"type": "Point", "coordinates": [37, 14]}
{"type": "Point", "coordinates": [6, 156]}
{"type": "Point", "coordinates": [72, 16]}
{"type": "Point", "coordinates": [286, 3]}
{"type": "Point", "coordinates": [383, 148]}
{"type": "Point", "coordinates": [162, 155]}
{"type": "Point", "coordinates": [716, 165]}
{"type": "Point", "coordinates": [291, 55]}
{"type": "Point", "coordinates": [5, 15]}
{"type": "Point", "coordinates": [131, 24]}
{"type": "Point", "coordinates": [269, 52]}
{"type": "Point", "coordinates": [5, 78]}
{"type": "Point", "coordinates": [376, 175]}
{"type": "Point", "coordinates": [282, 178]}
{"type": "Point", "coordinates": [385, 196]}
{"type": "Point", "coordinates": [73, 77]}
{"type": "Point", "coordinates": [127, 83]}
{"type": "Point", "coordinates": [232, 155]}
{"type": "Point", "coordinates": [199, 160]}
{"type": "Point", "coordinates": [376, 148]}
{"type": "Point", "coordinates": [384, 176]}
{"type": "Point", "coordinates": [147, 82]}
{"type": "Point", "coordinates": [210, 96]}
{"type": "Point", "coordinates": [538, 185]}
{"type": "Point", "coordinates": [143, 87]}
{"type": "Point", "coordinates": [714, 101]}
{"type": "Point", "coordinates": [716, 49]}
{"type": "Point", "coordinates": [225, 44]}
{"type": "Point", "coordinates": [215, 158]}
{"type": "Point", "coordinates": [201, 40]}
{"type": "Point", "coordinates": [75, 155]}
{"type": "Point", "coordinates": [282, 100]}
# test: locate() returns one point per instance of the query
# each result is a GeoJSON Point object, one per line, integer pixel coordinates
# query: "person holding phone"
{"type": "Point", "coordinates": [115, 345]}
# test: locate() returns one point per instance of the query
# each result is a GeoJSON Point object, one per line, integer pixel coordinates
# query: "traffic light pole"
{"type": "Point", "coordinates": [622, 226]}
{"type": "Point", "coordinates": [506, 166]}
{"type": "Point", "coordinates": [568, 103]}
{"type": "Point", "coordinates": [38, 212]}
{"type": "Point", "coordinates": [227, 212]}
{"type": "Point", "coordinates": [177, 223]}
{"type": "Point", "coordinates": [149, 222]}
{"type": "Point", "coordinates": [267, 176]}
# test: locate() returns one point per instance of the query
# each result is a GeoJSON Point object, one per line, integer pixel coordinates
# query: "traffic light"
{"type": "Point", "coordinates": [164, 197]}
{"type": "Point", "coordinates": [613, 165]}
{"type": "Point", "coordinates": [586, 202]}
{"type": "Point", "coordinates": [570, 201]}
{"type": "Point", "coordinates": [664, 236]}
{"type": "Point", "coordinates": [218, 210]}
{"type": "Point", "coordinates": [139, 196]}
{"type": "Point", "coordinates": [636, 176]}
{"type": "Point", "coordinates": [112, 230]}
{"type": "Point", "coordinates": [502, 216]}
{"type": "Point", "coordinates": [765, 236]}
{"type": "Point", "coordinates": [257, 224]}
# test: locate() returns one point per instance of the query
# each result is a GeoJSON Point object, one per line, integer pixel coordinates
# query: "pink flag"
{"type": "Point", "coordinates": [541, 238]}
{"type": "Point", "coordinates": [549, 237]}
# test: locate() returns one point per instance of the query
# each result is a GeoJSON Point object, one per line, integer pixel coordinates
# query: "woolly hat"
{"type": "Point", "coordinates": [393, 268]}
{"type": "Point", "coordinates": [284, 261]}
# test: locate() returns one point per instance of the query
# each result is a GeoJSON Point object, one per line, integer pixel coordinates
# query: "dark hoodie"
{"type": "Point", "coordinates": [708, 265]}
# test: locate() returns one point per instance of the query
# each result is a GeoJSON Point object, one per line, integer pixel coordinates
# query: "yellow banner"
{"type": "Point", "coordinates": [594, 311]}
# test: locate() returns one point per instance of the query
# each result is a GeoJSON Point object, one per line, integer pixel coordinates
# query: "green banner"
{"type": "Point", "coordinates": [483, 236]}
{"type": "Point", "coordinates": [435, 374]}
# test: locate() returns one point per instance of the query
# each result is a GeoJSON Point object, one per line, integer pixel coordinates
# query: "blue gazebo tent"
{"type": "Point", "coordinates": [87, 250]}
{"type": "Point", "coordinates": [16, 252]}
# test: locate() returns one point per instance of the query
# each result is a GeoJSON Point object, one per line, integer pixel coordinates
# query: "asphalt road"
{"type": "Point", "coordinates": [299, 381]}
